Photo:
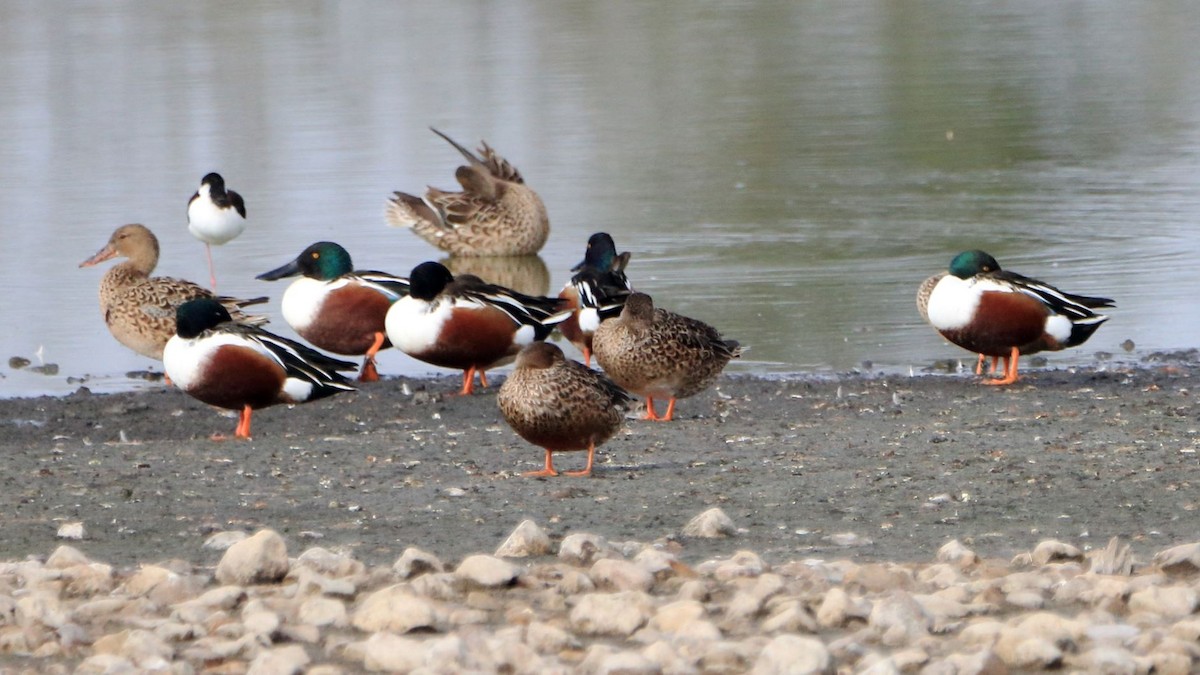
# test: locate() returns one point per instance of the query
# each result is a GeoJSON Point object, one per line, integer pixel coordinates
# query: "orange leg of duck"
{"type": "Point", "coordinates": [468, 381]}
{"type": "Point", "coordinates": [1010, 374]}
{"type": "Point", "coordinates": [369, 373]}
{"type": "Point", "coordinates": [587, 470]}
{"type": "Point", "coordinates": [587, 357]}
{"type": "Point", "coordinates": [650, 414]}
{"type": "Point", "coordinates": [670, 414]}
{"type": "Point", "coordinates": [548, 470]}
{"type": "Point", "coordinates": [243, 427]}
{"type": "Point", "coordinates": [995, 364]}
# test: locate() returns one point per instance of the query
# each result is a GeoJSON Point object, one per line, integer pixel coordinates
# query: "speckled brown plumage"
{"type": "Point", "coordinates": [494, 214]}
{"type": "Point", "coordinates": [139, 309]}
{"type": "Point", "coordinates": [560, 405]}
{"type": "Point", "coordinates": [659, 354]}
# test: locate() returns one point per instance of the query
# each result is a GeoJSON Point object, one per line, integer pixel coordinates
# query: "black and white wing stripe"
{"type": "Point", "coordinates": [299, 361]}
{"type": "Point", "coordinates": [389, 284]}
{"type": "Point", "coordinates": [1076, 307]}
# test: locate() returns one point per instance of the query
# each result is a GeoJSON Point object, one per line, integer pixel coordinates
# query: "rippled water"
{"type": "Point", "coordinates": [788, 172]}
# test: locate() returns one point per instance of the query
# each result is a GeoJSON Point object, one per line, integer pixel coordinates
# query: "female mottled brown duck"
{"type": "Point", "coordinates": [560, 405]}
{"type": "Point", "coordinates": [659, 354]}
{"type": "Point", "coordinates": [140, 309]}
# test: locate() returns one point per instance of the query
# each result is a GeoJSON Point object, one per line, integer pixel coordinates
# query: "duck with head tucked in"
{"type": "Point", "coordinates": [993, 312]}
{"type": "Point", "coordinates": [495, 214]}
{"type": "Point", "coordinates": [241, 367]}
{"type": "Point", "coordinates": [660, 354]}
{"type": "Point", "coordinates": [596, 292]}
{"type": "Point", "coordinates": [466, 323]}
{"type": "Point", "coordinates": [560, 405]}
{"type": "Point", "coordinates": [139, 309]}
{"type": "Point", "coordinates": [337, 308]}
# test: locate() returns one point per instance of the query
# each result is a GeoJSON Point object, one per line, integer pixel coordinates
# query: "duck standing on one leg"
{"type": "Point", "coordinates": [994, 312]}
{"type": "Point", "coordinates": [466, 323]}
{"type": "Point", "coordinates": [336, 308]}
{"type": "Point", "coordinates": [215, 216]}
{"type": "Point", "coordinates": [660, 354]}
{"type": "Point", "coordinates": [596, 292]}
{"type": "Point", "coordinates": [241, 367]}
{"type": "Point", "coordinates": [560, 405]}
{"type": "Point", "coordinates": [496, 214]}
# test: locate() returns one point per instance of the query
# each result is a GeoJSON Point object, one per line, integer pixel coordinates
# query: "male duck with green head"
{"type": "Point", "coordinates": [994, 312]}
{"type": "Point", "coordinates": [336, 308]}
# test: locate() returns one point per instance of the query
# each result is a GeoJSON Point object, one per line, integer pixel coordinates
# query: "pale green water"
{"type": "Point", "coordinates": [787, 172]}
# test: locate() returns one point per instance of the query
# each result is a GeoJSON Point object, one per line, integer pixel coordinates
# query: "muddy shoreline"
{"type": "Point", "coordinates": [858, 467]}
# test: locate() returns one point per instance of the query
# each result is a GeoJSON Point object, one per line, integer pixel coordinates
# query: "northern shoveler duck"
{"type": "Point", "coordinates": [466, 323]}
{"type": "Point", "coordinates": [242, 367]}
{"type": "Point", "coordinates": [660, 354]}
{"type": "Point", "coordinates": [336, 308]}
{"type": "Point", "coordinates": [495, 214]}
{"type": "Point", "coordinates": [215, 216]}
{"type": "Point", "coordinates": [597, 291]}
{"type": "Point", "coordinates": [994, 312]}
{"type": "Point", "coordinates": [560, 405]}
{"type": "Point", "coordinates": [139, 309]}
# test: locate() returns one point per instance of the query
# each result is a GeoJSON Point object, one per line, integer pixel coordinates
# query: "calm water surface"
{"type": "Point", "coordinates": [788, 172]}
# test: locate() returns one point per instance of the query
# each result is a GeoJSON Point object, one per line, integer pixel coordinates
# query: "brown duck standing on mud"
{"type": "Point", "coordinates": [496, 214]}
{"type": "Point", "coordinates": [560, 405]}
{"type": "Point", "coordinates": [660, 354]}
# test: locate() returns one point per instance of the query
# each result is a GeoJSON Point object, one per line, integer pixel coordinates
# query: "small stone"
{"type": "Point", "coordinates": [262, 623]}
{"type": "Point", "coordinates": [66, 556]}
{"type": "Point", "coordinates": [545, 638]}
{"type": "Point", "coordinates": [837, 608]}
{"type": "Point", "coordinates": [616, 614]}
{"type": "Point", "coordinates": [741, 564]}
{"type": "Point", "coordinates": [488, 571]}
{"type": "Point", "coordinates": [898, 619]}
{"type": "Point", "coordinates": [849, 540]}
{"type": "Point", "coordinates": [221, 541]}
{"type": "Point", "coordinates": [1052, 550]}
{"type": "Point", "coordinates": [626, 663]}
{"type": "Point", "coordinates": [711, 524]}
{"type": "Point", "coordinates": [955, 553]}
{"type": "Point", "coordinates": [748, 602]}
{"type": "Point", "coordinates": [74, 530]}
{"type": "Point", "coordinates": [287, 660]}
{"type": "Point", "coordinates": [1170, 602]}
{"type": "Point", "coordinates": [84, 581]}
{"type": "Point", "coordinates": [320, 611]}
{"type": "Point", "coordinates": [1182, 559]}
{"type": "Point", "coordinates": [330, 563]}
{"type": "Point", "coordinates": [525, 541]}
{"type": "Point", "coordinates": [671, 617]}
{"type": "Point", "coordinates": [793, 655]}
{"type": "Point", "coordinates": [583, 549]}
{"type": "Point", "coordinates": [414, 562]}
{"type": "Point", "coordinates": [790, 616]}
{"type": "Point", "coordinates": [392, 653]}
{"type": "Point", "coordinates": [395, 609]}
{"type": "Point", "coordinates": [260, 559]}
{"type": "Point", "coordinates": [621, 575]}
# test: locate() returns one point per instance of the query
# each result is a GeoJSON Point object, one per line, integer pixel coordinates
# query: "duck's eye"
{"type": "Point", "coordinates": [316, 255]}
